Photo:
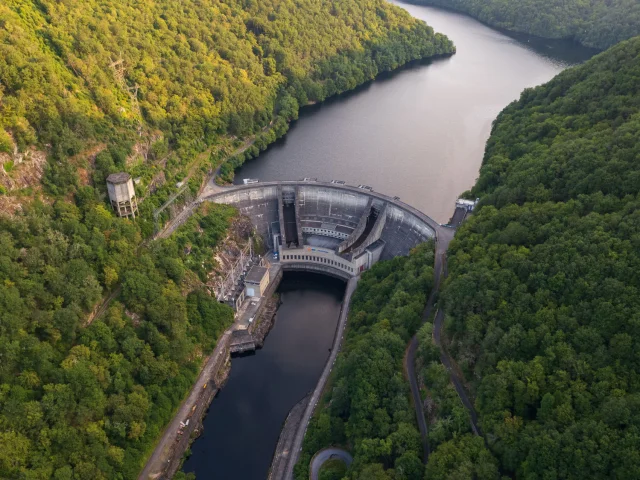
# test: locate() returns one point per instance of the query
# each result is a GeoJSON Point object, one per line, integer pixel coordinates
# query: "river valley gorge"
{"type": "Point", "coordinates": [418, 133]}
{"type": "Point", "coordinates": [319, 239]}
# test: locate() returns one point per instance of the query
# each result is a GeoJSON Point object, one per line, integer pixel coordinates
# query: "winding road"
{"type": "Point", "coordinates": [327, 454]}
{"type": "Point", "coordinates": [444, 237]}
{"type": "Point", "coordinates": [457, 381]}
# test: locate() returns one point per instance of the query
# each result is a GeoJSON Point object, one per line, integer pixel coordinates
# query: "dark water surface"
{"type": "Point", "coordinates": [418, 133]}
{"type": "Point", "coordinates": [242, 427]}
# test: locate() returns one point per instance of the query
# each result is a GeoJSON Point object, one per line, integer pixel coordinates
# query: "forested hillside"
{"type": "Point", "coordinates": [543, 294]}
{"type": "Point", "coordinates": [88, 401]}
{"type": "Point", "coordinates": [166, 91]}
{"type": "Point", "coordinates": [176, 77]}
{"type": "Point", "coordinates": [366, 408]}
{"type": "Point", "coordinates": [594, 23]}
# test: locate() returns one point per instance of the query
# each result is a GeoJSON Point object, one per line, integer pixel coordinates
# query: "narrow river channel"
{"type": "Point", "coordinates": [243, 424]}
{"type": "Point", "coordinates": [418, 133]}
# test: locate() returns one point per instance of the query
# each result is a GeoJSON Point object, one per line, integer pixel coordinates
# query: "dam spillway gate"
{"type": "Point", "coordinates": [328, 227]}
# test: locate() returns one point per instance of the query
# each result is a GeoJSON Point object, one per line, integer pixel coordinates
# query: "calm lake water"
{"type": "Point", "coordinates": [242, 427]}
{"type": "Point", "coordinates": [418, 133]}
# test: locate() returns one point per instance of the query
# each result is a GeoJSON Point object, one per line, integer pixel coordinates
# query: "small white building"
{"type": "Point", "coordinates": [468, 205]}
{"type": "Point", "coordinates": [256, 281]}
{"type": "Point", "coordinates": [122, 194]}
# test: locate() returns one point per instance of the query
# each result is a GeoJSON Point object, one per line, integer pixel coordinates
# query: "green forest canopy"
{"type": "Point", "coordinates": [543, 294]}
{"type": "Point", "coordinates": [594, 23]}
{"type": "Point", "coordinates": [88, 402]}
{"type": "Point", "coordinates": [366, 407]}
{"type": "Point", "coordinates": [200, 70]}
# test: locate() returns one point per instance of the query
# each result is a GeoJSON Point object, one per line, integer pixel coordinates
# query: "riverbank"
{"type": "Point", "coordinates": [278, 129]}
{"type": "Point", "coordinates": [264, 323]}
{"type": "Point", "coordinates": [296, 445]}
{"type": "Point", "coordinates": [167, 455]}
{"type": "Point", "coordinates": [431, 119]}
{"type": "Point", "coordinates": [284, 448]}
{"type": "Point", "coordinates": [590, 26]}
{"type": "Point", "coordinates": [187, 423]}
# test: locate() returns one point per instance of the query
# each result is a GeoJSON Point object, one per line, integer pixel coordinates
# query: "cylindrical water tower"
{"type": "Point", "coordinates": [122, 194]}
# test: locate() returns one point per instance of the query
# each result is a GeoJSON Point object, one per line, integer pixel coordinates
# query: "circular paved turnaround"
{"type": "Point", "coordinates": [328, 454]}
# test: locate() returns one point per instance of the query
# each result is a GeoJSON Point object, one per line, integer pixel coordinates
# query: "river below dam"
{"type": "Point", "coordinates": [418, 133]}
{"type": "Point", "coordinates": [243, 425]}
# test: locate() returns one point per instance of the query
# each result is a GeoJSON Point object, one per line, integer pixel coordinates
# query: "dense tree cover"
{"type": "Point", "coordinates": [543, 296]}
{"type": "Point", "coordinates": [73, 74]}
{"type": "Point", "coordinates": [447, 417]}
{"type": "Point", "coordinates": [367, 407]}
{"type": "Point", "coordinates": [462, 458]}
{"type": "Point", "coordinates": [87, 402]}
{"type": "Point", "coordinates": [332, 470]}
{"type": "Point", "coordinates": [594, 23]}
{"type": "Point", "coordinates": [157, 89]}
{"type": "Point", "coordinates": [456, 453]}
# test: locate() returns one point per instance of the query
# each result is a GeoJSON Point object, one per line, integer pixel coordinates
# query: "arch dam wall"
{"type": "Point", "coordinates": [329, 227]}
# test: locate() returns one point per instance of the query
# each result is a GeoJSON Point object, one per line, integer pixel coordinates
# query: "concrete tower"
{"type": "Point", "coordinates": [122, 194]}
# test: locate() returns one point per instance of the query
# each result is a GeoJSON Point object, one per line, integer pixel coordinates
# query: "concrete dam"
{"type": "Point", "coordinates": [328, 227]}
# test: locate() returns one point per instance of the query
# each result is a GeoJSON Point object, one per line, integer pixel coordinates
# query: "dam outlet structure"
{"type": "Point", "coordinates": [328, 227]}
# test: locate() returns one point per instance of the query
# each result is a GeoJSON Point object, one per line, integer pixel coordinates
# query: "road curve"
{"type": "Point", "coordinates": [410, 369]}
{"type": "Point", "coordinates": [327, 454]}
{"type": "Point", "coordinates": [315, 396]}
{"type": "Point", "coordinates": [442, 243]}
{"type": "Point", "coordinates": [448, 362]}
{"type": "Point", "coordinates": [445, 358]}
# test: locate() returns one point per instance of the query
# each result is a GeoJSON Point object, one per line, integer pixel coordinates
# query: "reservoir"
{"type": "Point", "coordinates": [418, 133]}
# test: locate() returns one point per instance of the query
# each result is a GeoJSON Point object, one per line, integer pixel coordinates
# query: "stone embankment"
{"type": "Point", "coordinates": [193, 429]}
{"type": "Point", "coordinates": [186, 425]}
{"type": "Point", "coordinates": [285, 442]}
{"type": "Point", "coordinates": [187, 422]}
{"type": "Point", "coordinates": [265, 321]}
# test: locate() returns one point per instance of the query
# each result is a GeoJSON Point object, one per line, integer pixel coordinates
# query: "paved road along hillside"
{"type": "Point", "coordinates": [155, 465]}
{"type": "Point", "coordinates": [442, 243]}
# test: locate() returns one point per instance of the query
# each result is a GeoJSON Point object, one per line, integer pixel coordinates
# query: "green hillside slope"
{"type": "Point", "coordinates": [543, 296]}
{"type": "Point", "coordinates": [190, 72]}
{"type": "Point", "coordinates": [164, 90]}
{"type": "Point", "coordinates": [594, 23]}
